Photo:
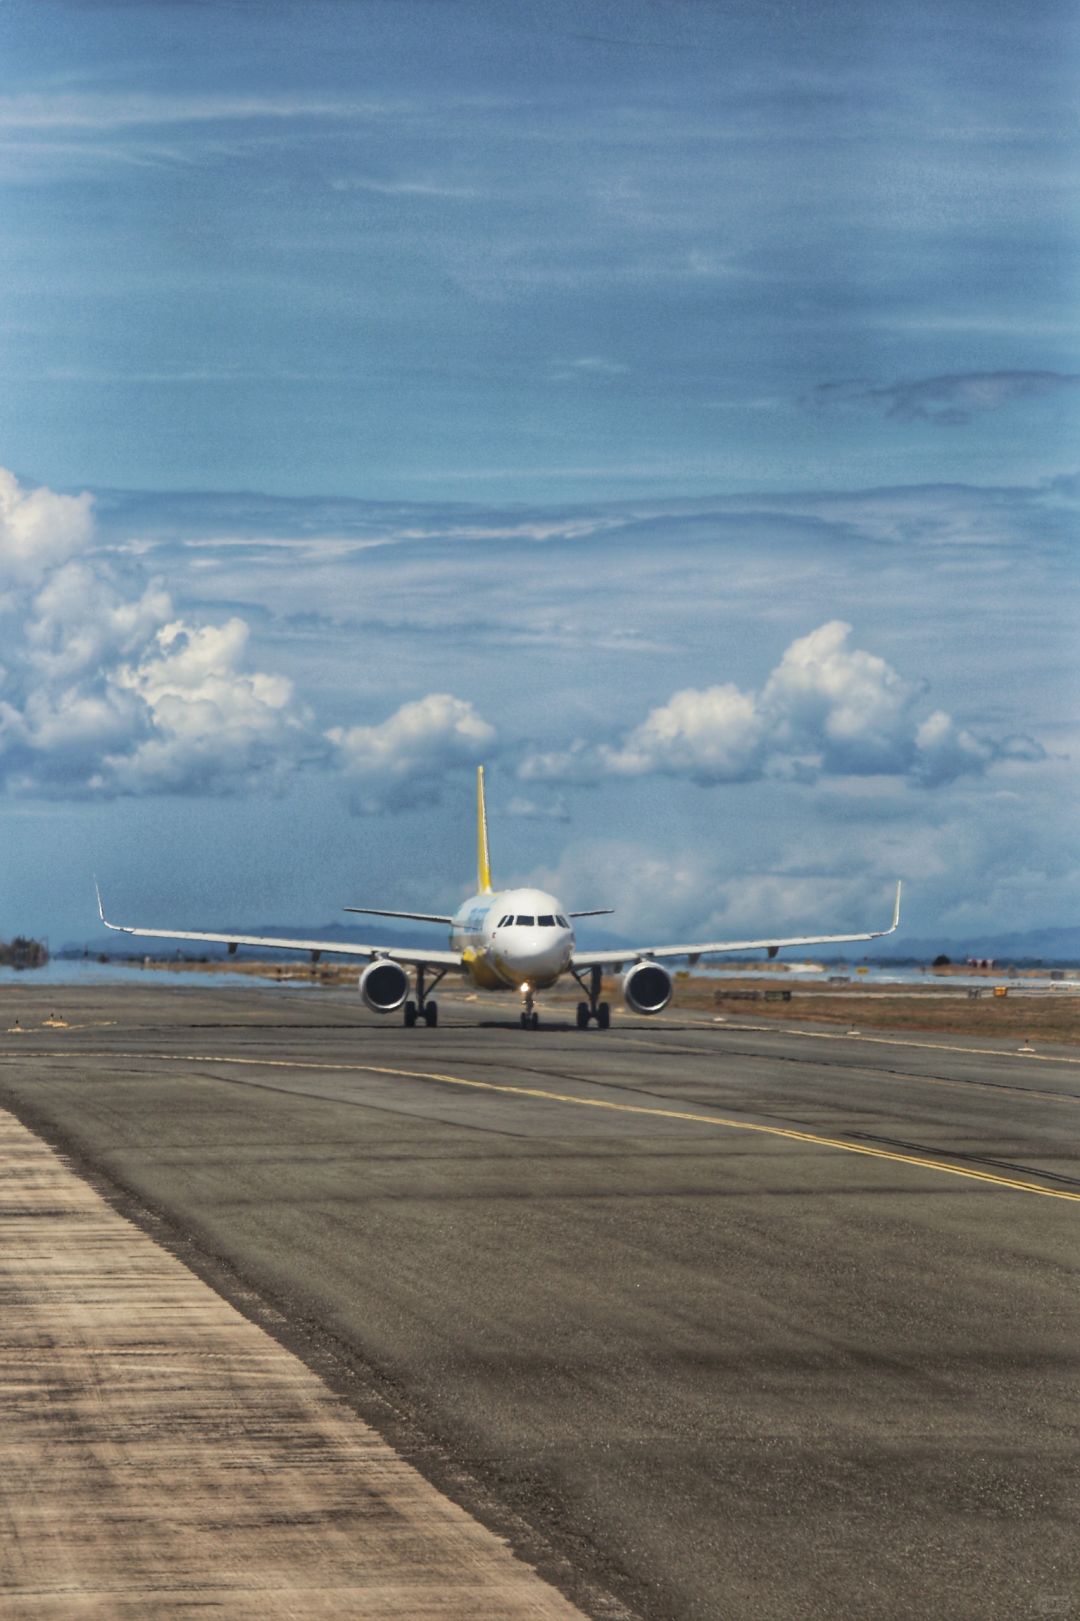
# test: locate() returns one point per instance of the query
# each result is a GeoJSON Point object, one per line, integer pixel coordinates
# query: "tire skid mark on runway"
{"type": "Point", "coordinates": [874, 1071]}
{"type": "Point", "coordinates": [353, 1103]}
{"type": "Point", "coordinates": [982, 1159]}
{"type": "Point", "coordinates": [815, 1139]}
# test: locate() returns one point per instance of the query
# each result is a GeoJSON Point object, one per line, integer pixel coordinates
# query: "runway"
{"type": "Point", "coordinates": [708, 1320]}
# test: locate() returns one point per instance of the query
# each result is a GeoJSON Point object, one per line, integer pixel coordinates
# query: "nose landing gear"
{"type": "Point", "coordinates": [593, 1008]}
{"type": "Point", "coordinates": [530, 1019]}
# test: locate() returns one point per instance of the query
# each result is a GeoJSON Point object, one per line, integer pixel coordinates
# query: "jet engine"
{"type": "Point", "coordinates": [646, 987]}
{"type": "Point", "coordinates": [384, 985]}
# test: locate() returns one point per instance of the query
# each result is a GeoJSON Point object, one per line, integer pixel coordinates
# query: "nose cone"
{"type": "Point", "coordinates": [539, 955]}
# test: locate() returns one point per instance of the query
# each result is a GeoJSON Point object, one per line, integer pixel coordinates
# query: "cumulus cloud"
{"type": "Point", "coordinates": [38, 530]}
{"type": "Point", "coordinates": [827, 709]}
{"type": "Point", "coordinates": [403, 761]}
{"type": "Point", "coordinates": [837, 705]}
{"type": "Point", "coordinates": [106, 690]}
{"type": "Point", "coordinates": [213, 725]}
{"type": "Point", "coordinates": [951, 399]}
{"type": "Point", "coordinates": [80, 620]}
{"type": "Point", "coordinates": [692, 892]}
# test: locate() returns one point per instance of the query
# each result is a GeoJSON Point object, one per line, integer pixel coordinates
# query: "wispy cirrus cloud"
{"type": "Point", "coordinates": [405, 188]}
{"type": "Point", "coordinates": [951, 400]}
{"type": "Point", "coordinates": [98, 111]}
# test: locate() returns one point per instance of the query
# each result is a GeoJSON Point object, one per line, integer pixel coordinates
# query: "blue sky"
{"type": "Point", "coordinates": [673, 404]}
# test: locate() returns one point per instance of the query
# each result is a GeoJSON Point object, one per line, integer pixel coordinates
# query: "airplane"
{"type": "Point", "coordinates": [511, 939]}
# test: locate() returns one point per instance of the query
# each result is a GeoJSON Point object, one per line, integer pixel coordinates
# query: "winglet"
{"type": "Point", "coordinates": [896, 909]}
{"type": "Point", "coordinates": [119, 927]}
{"type": "Point", "coordinates": [483, 866]}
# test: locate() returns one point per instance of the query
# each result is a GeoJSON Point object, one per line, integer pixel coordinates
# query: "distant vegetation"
{"type": "Point", "coordinates": [23, 953]}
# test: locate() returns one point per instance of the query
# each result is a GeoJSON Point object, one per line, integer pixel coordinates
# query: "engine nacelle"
{"type": "Point", "coordinates": [646, 987]}
{"type": "Point", "coordinates": [384, 985]}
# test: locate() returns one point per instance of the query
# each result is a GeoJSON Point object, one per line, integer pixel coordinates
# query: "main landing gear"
{"type": "Point", "coordinates": [421, 1008]}
{"type": "Point", "coordinates": [593, 1008]}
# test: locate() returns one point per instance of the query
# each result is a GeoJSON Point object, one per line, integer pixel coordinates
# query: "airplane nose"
{"type": "Point", "coordinates": [541, 952]}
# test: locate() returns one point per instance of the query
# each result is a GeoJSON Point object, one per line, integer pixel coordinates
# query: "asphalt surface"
{"type": "Point", "coordinates": [721, 1321]}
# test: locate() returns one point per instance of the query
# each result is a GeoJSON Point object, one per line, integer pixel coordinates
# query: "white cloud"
{"type": "Point", "coordinates": [845, 705]}
{"type": "Point", "coordinates": [80, 619]}
{"type": "Point", "coordinates": [68, 110]}
{"type": "Point", "coordinates": [827, 709]}
{"type": "Point", "coordinates": [693, 894]}
{"type": "Point", "coordinates": [105, 690]}
{"type": "Point", "coordinates": [212, 723]}
{"type": "Point", "coordinates": [402, 761]}
{"type": "Point", "coordinates": [717, 735]}
{"type": "Point", "coordinates": [38, 530]}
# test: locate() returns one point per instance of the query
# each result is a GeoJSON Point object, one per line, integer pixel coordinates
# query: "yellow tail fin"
{"type": "Point", "coordinates": [483, 867]}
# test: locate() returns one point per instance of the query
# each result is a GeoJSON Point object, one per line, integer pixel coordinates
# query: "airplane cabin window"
{"type": "Point", "coordinates": [546, 922]}
{"type": "Point", "coordinates": [525, 922]}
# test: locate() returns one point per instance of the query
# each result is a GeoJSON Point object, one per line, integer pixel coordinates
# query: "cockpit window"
{"type": "Point", "coordinates": [503, 921]}
{"type": "Point", "coordinates": [561, 921]}
{"type": "Point", "coordinates": [525, 922]}
{"type": "Point", "coordinates": [546, 922]}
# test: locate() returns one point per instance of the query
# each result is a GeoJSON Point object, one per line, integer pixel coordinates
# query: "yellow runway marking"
{"type": "Point", "coordinates": [818, 1140]}
{"type": "Point", "coordinates": [663, 1114]}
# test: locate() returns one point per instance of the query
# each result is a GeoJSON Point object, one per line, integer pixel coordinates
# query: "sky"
{"type": "Point", "coordinates": [673, 405]}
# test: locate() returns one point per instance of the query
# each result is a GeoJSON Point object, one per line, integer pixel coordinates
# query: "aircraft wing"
{"type": "Point", "coordinates": [606, 959]}
{"type": "Point", "coordinates": [414, 958]}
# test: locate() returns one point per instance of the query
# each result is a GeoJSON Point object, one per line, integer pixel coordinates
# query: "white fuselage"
{"type": "Point", "coordinates": [514, 939]}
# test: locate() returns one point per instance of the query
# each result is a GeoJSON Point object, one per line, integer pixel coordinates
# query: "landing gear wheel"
{"type": "Point", "coordinates": [583, 1015]}
{"type": "Point", "coordinates": [603, 1016]}
{"type": "Point", "coordinates": [410, 1015]}
{"type": "Point", "coordinates": [524, 1021]}
{"type": "Point", "coordinates": [534, 1021]}
{"type": "Point", "coordinates": [431, 1014]}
